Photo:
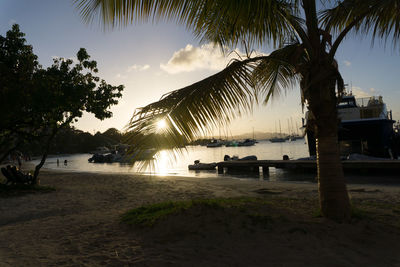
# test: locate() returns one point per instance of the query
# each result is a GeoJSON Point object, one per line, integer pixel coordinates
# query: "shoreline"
{"type": "Point", "coordinates": [79, 224]}
{"type": "Point", "coordinates": [281, 176]}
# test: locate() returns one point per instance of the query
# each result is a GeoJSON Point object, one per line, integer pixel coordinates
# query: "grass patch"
{"type": "Point", "coordinates": [148, 215]}
{"type": "Point", "coordinates": [23, 189]}
{"type": "Point", "coordinates": [256, 211]}
{"type": "Point", "coordinates": [359, 213]}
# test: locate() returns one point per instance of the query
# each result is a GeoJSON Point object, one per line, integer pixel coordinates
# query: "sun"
{"type": "Point", "coordinates": [161, 124]}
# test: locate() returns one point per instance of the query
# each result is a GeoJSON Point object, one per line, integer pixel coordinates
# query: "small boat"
{"type": "Point", "coordinates": [277, 140]}
{"type": "Point", "coordinates": [215, 143]}
{"type": "Point", "coordinates": [100, 150]}
{"type": "Point", "coordinates": [232, 144]}
{"type": "Point", "coordinates": [229, 158]}
{"type": "Point", "coordinates": [202, 166]}
{"type": "Point", "coordinates": [127, 157]}
{"type": "Point", "coordinates": [295, 137]}
{"type": "Point", "coordinates": [247, 142]}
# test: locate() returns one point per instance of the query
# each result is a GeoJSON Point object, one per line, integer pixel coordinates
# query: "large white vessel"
{"type": "Point", "coordinates": [366, 127]}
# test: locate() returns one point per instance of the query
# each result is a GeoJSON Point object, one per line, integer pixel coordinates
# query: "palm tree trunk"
{"type": "Point", "coordinates": [333, 196]}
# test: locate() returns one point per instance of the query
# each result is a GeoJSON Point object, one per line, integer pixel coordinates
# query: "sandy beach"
{"type": "Point", "coordinates": [79, 225]}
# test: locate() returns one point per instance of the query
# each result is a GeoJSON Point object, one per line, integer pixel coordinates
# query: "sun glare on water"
{"type": "Point", "coordinates": [162, 160]}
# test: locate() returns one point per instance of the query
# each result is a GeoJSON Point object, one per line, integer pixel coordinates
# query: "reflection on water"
{"type": "Point", "coordinates": [167, 163]}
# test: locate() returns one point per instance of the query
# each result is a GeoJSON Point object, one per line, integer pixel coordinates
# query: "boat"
{"type": "Point", "coordinates": [366, 127]}
{"type": "Point", "coordinates": [247, 142]}
{"type": "Point", "coordinates": [202, 166]}
{"type": "Point", "coordinates": [122, 157]}
{"type": "Point", "coordinates": [278, 139]}
{"type": "Point", "coordinates": [234, 157]}
{"type": "Point", "coordinates": [100, 150]}
{"type": "Point", "coordinates": [295, 137]}
{"type": "Point", "coordinates": [215, 143]}
{"type": "Point", "coordinates": [232, 144]}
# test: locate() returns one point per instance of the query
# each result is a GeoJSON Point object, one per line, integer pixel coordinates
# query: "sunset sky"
{"type": "Point", "coordinates": [153, 59]}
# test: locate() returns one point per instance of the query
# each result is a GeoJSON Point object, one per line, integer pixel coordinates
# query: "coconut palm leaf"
{"type": "Point", "coordinates": [223, 21]}
{"type": "Point", "coordinates": [190, 111]}
{"type": "Point", "coordinates": [280, 71]}
{"type": "Point", "coordinates": [381, 18]}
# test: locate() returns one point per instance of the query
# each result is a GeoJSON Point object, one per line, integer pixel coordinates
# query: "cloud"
{"type": "Point", "coordinates": [347, 63]}
{"type": "Point", "coordinates": [204, 57]}
{"type": "Point", "coordinates": [138, 68]}
{"type": "Point", "coordinates": [120, 76]}
{"type": "Point", "coordinates": [359, 92]}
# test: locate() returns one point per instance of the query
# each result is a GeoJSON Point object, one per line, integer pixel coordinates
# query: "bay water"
{"type": "Point", "coordinates": [168, 163]}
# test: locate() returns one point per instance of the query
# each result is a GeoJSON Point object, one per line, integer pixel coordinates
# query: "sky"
{"type": "Point", "coordinates": [153, 59]}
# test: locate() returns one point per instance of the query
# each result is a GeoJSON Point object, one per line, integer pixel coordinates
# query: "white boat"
{"type": "Point", "coordinates": [366, 127]}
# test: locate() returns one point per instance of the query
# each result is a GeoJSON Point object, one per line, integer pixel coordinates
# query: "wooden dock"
{"type": "Point", "coordinates": [255, 166]}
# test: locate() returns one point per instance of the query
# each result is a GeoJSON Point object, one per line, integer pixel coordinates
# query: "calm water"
{"type": "Point", "coordinates": [167, 164]}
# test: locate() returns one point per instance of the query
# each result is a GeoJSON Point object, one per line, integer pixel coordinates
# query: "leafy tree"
{"type": "Point", "coordinates": [17, 66]}
{"type": "Point", "coordinates": [113, 136]}
{"type": "Point", "coordinates": [36, 102]}
{"type": "Point", "coordinates": [62, 92]}
{"type": "Point", "coordinates": [306, 41]}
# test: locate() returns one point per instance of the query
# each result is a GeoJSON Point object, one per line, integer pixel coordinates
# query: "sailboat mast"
{"type": "Point", "coordinates": [291, 125]}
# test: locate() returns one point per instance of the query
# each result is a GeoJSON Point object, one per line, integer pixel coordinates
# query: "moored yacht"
{"type": "Point", "coordinates": [366, 127]}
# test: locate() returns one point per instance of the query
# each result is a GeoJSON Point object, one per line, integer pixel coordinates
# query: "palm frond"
{"type": "Point", "coordinates": [280, 71]}
{"type": "Point", "coordinates": [189, 112]}
{"type": "Point", "coordinates": [380, 18]}
{"type": "Point", "coordinates": [221, 21]}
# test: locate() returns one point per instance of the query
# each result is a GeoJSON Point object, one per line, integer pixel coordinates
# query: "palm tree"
{"type": "Point", "coordinates": [306, 41]}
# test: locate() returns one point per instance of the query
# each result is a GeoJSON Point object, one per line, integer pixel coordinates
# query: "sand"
{"type": "Point", "coordinates": [79, 225]}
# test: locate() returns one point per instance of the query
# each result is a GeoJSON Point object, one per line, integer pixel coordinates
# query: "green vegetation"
{"type": "Point", "coordinates": [254, 212]}
{"type": "Point", "coordinates": [20, 190]}
{"type": "Point", "coordinates": [70, 140]}
{"type": "Point", "coordinates": [147, 216]}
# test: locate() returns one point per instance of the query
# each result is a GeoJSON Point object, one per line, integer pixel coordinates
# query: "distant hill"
{"type": "Point", "coordinates": [257, 135]}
